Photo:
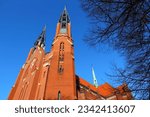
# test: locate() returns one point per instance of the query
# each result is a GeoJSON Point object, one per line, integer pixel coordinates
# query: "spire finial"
{"type": "Point", "coordinates": [94, 78]}
{"type": "Point", "coordinates": [65, 8]}
{"type": "Point", "coordinates": [44, 28]}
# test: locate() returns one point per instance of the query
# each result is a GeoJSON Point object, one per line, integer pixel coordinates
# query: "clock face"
{"type": "Point", "coordinates": [63, 30]}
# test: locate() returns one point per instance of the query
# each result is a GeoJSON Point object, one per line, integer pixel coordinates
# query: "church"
{"type": "Point", "coordinates": [51, 76]}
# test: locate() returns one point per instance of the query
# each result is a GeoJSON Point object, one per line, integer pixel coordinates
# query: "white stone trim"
{"type": "Point", "coordinates": [55, 41]}
{"type": "Point", "coordinates": [51, 56]}
{"type": "Point", "coordinates": [37, 68]}
{"type": "Point", "coordinates": [124, 96]}
{"type": "Point", "coordinates": [39, 84]}
{"type": "Point", "coordinates": [70, 42]}
{"type": "Point", "coordinates": [23, 66]}
{"type": "Point", "coordinates": [23, 79]}
{"type": "Point", "coordinates": [73, 57]}
{"type": "Point", "coordinates": [45, 64]}
{"type": "Point", "coordinates": [112, 97]}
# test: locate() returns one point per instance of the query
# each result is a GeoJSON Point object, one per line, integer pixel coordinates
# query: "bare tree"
{"type": "Point", "coordinates": [124, 24]}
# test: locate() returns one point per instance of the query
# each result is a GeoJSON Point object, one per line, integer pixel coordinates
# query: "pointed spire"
{"type": "Point", "coordinates": [64, 20]}
{"type": "Point", "coordinates": [94, 78]}
{"type": "Point", "coordinates": [64, 16]}
{"type": "Point", "coordinates": [44, 29]}
{"type": "Point", "coordinates": [65, 8]}
{"type": "Point", "coordinates": [41, 39]}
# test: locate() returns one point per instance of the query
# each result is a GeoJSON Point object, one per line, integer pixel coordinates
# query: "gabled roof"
{"type": "Point", "coordinates": [87, 84]}
{"type": "Point", "coordinates": [104, 90]}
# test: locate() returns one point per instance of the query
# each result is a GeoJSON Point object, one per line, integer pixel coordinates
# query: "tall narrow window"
{"type": "Point", "coordinates": [61, 45]}
{"type": "Point", "coordinates": [59, 95]}
{"type": "Point", "coordinates": [61, 58]}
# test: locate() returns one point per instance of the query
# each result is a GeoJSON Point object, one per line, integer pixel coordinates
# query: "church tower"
{"type": "Point", "coordinates": [61, 81]}
{"type": "Point", "coordinates": [27, 81]}
{"type": "Point", "coordinates": [51, 75]}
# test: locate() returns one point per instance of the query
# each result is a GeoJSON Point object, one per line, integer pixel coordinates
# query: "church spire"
{"type": "Point", "coordinates": [64, 20]}
{"type": "Point", "coordinates": [94, 78]}
{"type": "Point", "coordinates": [64, 16]}
{"type": "Point", "coordinates": [41, 39]}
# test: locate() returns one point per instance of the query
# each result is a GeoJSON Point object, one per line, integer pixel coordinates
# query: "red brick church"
{"type": "Point", "coordinates": [51, 76]}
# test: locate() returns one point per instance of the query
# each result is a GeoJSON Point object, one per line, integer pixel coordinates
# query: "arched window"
{"type": "Point", "coordinates": [61, 45]}
{"type": "Point", "coordinates": [61, 58]}
{"type": "Point", "coordinates": [61, 52]}
{"type": "Point", "coordinates": [59, 95]}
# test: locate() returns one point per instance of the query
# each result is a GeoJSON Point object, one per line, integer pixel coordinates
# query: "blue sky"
{"type": "Point", "coordinates": [21, 22]}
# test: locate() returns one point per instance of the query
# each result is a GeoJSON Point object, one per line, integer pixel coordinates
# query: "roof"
{"type": "Point", "coordinates": [87, 84]}
{"type": "Point", "coordinates": [106, 90]}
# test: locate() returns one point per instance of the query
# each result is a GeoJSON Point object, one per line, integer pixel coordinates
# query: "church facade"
{"type": "Point", "coordinates": [51, 76]}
